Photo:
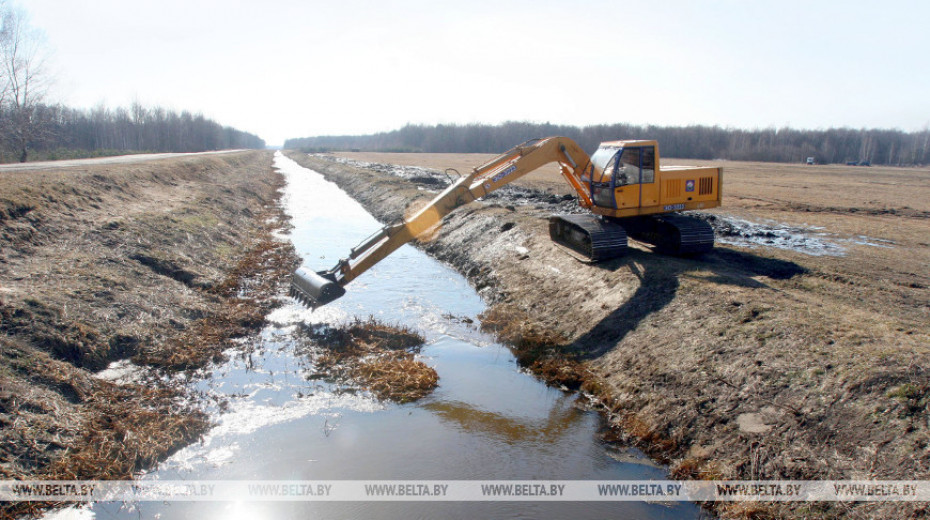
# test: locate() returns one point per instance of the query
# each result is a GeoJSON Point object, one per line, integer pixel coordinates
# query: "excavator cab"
{"type": "Point", "coordinates": [630, 195]}
{"type": "Point", "coordinates": [623, 176]}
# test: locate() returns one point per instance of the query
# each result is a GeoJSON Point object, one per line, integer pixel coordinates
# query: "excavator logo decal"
{"type": "Point", "coordinates": [689, 185]}
{"type": "Point", "coordinates": [504, 173]}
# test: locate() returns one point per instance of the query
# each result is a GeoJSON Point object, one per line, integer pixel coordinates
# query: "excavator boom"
{"type": "Point", "coordinates": [322, 287]}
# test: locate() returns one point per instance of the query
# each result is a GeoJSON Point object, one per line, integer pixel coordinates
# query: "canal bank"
{"type": "Point", "coordinates": [113, 276]}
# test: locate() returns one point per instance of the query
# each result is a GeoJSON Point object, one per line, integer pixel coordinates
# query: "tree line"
{"type": "Point", "coordinates": [835, 145]}
{"type": "Point", "coordinates": [32, 127]}
{"type": "Point", "coordinates": [60, 132]}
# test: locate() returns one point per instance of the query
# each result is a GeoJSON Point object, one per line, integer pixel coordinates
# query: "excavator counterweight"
{"type": "Point", "coordinates": [621, 185]}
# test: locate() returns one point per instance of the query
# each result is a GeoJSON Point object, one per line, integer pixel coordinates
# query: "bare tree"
{"type": "Point", "coordinates": [24, 81]}
{"type": "Point", "coordinates": [4, 83]}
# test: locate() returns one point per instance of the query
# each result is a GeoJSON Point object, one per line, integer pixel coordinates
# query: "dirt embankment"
{"type": "Point", "coordinates": [161, 262]}
{"type": "Point", "coordinates": [742, 364]}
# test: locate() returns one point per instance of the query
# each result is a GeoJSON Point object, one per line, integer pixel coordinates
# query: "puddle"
{"type": "Point", "coordinates": [810, 240]}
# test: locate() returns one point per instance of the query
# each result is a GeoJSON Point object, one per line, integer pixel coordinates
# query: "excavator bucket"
{"type": "Point", "coordinates": [315, 289]}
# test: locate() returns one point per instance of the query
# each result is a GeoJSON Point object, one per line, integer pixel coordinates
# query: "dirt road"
{"type": "Point", "coordinates": [141, 260]}
{"type": "Point", "coordinates": [96, 161]}
{"type": "Point", "coordinates": [755, 361]}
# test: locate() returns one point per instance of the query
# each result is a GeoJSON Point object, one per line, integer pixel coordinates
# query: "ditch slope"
{"type": "Point", "coordinates": [163, 263]}
{"type": "Point", "coordinates": [741, 364]}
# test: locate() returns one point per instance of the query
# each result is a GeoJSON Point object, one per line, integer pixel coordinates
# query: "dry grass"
{"type": "Point", "coordinates": [126, 429]}
{"type": "Point", "coordinates": [378, 356]}
{"type": "Point", "coordinates": [245, 297]}
{"type": "Point", "coordinates": [397, 376]}
{"type": "Point", "coordinates": [103, 431]}
{"type": "Point", "coordinates": [133, 429]}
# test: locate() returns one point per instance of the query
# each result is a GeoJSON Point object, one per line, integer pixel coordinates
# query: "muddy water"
{"type": "Point", "coordinates": [486, 421]}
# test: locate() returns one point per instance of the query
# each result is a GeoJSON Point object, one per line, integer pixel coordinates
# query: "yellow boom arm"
{"type": "Point", "coordinates": [325, 286]}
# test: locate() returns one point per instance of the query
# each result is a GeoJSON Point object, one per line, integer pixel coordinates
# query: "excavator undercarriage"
{"type": "Point", "coordinates": [594, 238]}
{"type": "Point", "coordinates": [672, 233]}
{"type": "Point", "coordinates": [589, 238]}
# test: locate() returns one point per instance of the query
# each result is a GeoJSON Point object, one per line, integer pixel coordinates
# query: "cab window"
{"type": "Point", "coordinates": [637, 165]}
{"type": "Point", "coordinates": [628, 171]}
{"type": "Point", "coordinates": [604, 161]}
{"type": "Point", "coordinates": [649, 164]}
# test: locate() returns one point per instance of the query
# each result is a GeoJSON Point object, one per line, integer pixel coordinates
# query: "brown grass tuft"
{"type": "Point", "coordinates": [378, 356]}
{"type": "Point", "coordinates": [398, 376]}
{"type": "Point", "coordinates": [136, 428]}
{"type": "Point", "coordinates": [537, 348]}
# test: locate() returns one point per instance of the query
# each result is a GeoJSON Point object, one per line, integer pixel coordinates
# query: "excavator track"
{"type": "Point", "coordinates": [672, 234]}
{"type": "Point", "coordinates": [588, 237]}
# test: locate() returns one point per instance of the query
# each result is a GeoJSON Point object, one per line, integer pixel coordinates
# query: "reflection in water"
{"type": "Point", "coordinates": [509, 429]}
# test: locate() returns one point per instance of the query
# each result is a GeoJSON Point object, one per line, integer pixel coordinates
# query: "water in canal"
{"type": "Point", "coordinates": [487, 420]}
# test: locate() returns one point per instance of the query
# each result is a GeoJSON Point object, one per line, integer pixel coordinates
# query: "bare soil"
{"type": "Point", "coordinates": [751, 362]}
{"type": "Point", "coordinates": [162, 263]}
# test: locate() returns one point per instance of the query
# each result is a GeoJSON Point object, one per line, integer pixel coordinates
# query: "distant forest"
{"type": "Point", "coordinates": [57, 132]}
{"type": "Point", "coordinates": [836, 145]}
{"type": "Point", "coordinates": [32, 128]}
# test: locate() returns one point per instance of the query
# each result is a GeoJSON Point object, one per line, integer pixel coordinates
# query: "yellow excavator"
{"type": "Point", "coordinates": [621, 185]}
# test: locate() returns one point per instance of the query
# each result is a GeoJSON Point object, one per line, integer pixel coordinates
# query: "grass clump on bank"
{"type": "Point", "coordinates": [540, 350]}
{"type": "Point", "coordinates": [135, 429]}
{"type": "Point", "coordinates": [378, 356]}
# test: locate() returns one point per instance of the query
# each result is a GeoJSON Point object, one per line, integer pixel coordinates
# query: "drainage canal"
{"type": "Point", "coordinates": [486, 421]}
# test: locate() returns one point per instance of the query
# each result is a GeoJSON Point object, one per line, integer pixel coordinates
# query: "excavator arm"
{"type": "Point", "coordinates": [319, 288]}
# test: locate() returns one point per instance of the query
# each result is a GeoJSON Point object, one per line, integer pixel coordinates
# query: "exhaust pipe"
{"type": "Point", "coordinates": [315, 289]}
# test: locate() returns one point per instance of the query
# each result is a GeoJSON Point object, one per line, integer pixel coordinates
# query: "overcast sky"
{"type": "Point", "coordinates": [295, 68]}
